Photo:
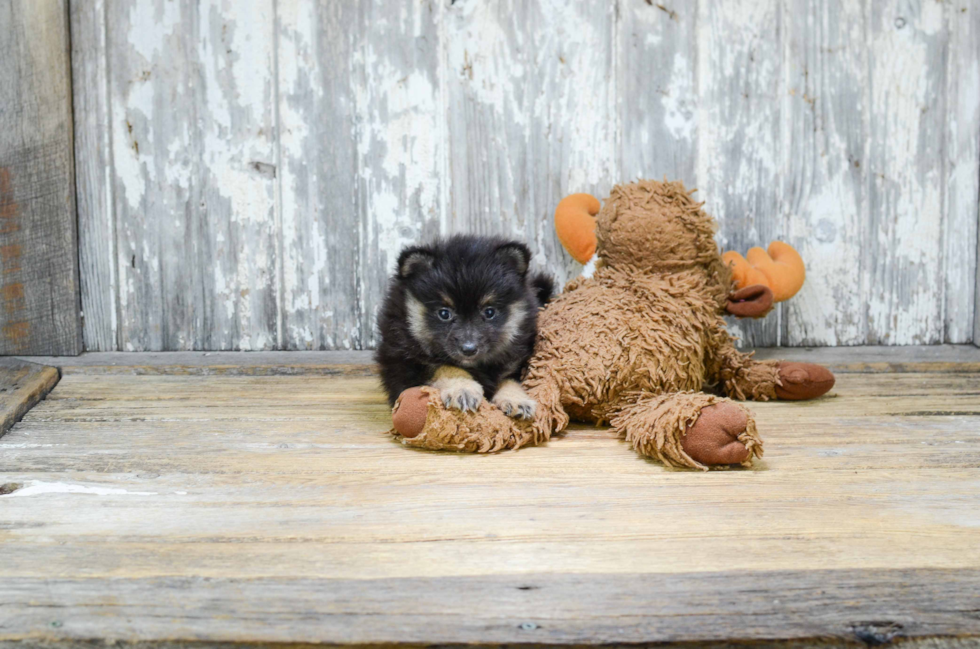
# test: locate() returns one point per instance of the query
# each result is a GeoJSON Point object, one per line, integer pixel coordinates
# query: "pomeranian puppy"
{"type": "Point", "coordinates": [461, 315]}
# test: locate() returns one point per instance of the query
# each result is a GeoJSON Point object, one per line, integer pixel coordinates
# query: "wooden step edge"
{"type": "Point", "coordinates": [22, 385]}
{"type": "Point", "coordinates": [842, 360]}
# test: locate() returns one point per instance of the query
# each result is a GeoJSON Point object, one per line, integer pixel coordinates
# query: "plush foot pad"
{"type": "Point", "coordinates": [408, 416]}
{"type": "Point", "coordinates": [422, 420]}
{"type": "Point", "coordinates": [803, 381]}
{"type": "Point", "coordinates": [690, 429]}
{"type": "Point", "coordinates": [714, 438]}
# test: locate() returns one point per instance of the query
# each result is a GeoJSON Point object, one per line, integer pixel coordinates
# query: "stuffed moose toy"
{"type": "Point", "coordinates": [633, 345]}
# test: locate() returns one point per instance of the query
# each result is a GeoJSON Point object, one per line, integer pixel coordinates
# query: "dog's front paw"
{"type": "Point", "coordinates": [462, 394]}
{"type": "Point", "coordinates": [518, 406]}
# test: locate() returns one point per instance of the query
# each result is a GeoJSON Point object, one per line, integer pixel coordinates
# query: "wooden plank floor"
{"type": "Point", "coordinates": [172, 508]}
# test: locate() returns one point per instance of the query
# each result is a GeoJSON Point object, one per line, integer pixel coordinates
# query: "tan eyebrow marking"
{"type": "Point", "coordinates": [488, 299]}
{"type": "Point", "coordinates": [448, 301]}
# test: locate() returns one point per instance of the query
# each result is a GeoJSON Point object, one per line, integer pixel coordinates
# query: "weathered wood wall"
{"type": "Point", "coordinates": [39, 301]}
{"type": "Point", "coordinates": [248, 171]}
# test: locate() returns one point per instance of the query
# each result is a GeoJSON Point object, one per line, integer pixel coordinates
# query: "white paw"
{"type": "Point", "coordinates": [462, 394]}
{"type": "Point", "coordinates": [517, 407]}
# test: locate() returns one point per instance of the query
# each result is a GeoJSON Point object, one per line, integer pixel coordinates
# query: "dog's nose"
{"type": "Point", "coordinates": [468, 349]}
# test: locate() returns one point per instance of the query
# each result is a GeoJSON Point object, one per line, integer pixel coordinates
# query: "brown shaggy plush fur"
{"type": "Point", "coordinates": [633, 345]}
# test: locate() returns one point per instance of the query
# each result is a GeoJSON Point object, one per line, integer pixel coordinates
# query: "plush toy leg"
{"type": "Point", "coordinates": [550, 417]}
{"type": "Point", "coordinates": [744, 378]}
{"type": "Point", "coordinates": [420, 419]}
{"type": "Point", "coordinates": [690, 429]}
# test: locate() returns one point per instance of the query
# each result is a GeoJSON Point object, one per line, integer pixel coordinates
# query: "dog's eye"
{"type": "Point", "coordinates": [445, 315]}
{"type": "Point", "coordinates": [489, 313]}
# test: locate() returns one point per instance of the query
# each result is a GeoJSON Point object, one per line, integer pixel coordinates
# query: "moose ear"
{"type": "Point", "coordinates": [415, 260]}
{"type": "Point", "coordinates": [575, 225]}
{"type": "Point", "coordinates": [517, 255]}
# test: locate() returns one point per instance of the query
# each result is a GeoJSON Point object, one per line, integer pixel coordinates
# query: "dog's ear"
{"type": "Point", "coordinates": [415, 260]}
{"type": "Point", "coordinates": [516, 254]}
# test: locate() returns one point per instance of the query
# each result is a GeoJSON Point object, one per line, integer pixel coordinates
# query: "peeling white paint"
{"type": "Point", "coordinates": [482, 54]}
{"type": "Point", "coordinates": [532, 116]}
{"type": "Point", "coordinates": [962, 213]}
{"type": "Point", "coordinates": [903, 301]}
{"type": "Point", "coordinates": [265, 173]}
{"type": "Point", "coordinates": [399, 109]}
{"type": "Point", "coordinates": [39, 488]}
{"type": "Point", "coordinates": [739, 159]}
{"type": "Point", "coordinates": [400, 132]}
{"type": "Point", "coordinates": [680, 116]}
{"type": "Point", "coordinates": [150, 26]}
{"type": "Point", "coordinates": [829, 305]}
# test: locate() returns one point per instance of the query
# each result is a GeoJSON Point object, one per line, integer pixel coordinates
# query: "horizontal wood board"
{"type": "Point", "coordinates": [926, 358]}
{"type": "Point", "coordinates": [278, 508]}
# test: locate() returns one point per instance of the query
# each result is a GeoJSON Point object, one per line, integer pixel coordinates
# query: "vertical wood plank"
{"type": "Point", "coordinates": [93, 176]}
{"type": "Point", "coordinates": [906, 185]}
{"type": "Point", "coordinates": [739, 131]}
{"type": "Point", "coordinates": [194, 173]}
{"type": "Point", "coordinates": [38, 254]}
{"type": "Point", "coordinates": [400, 140]}
{"type": "Point", "coordinates": [848, 129]}
{"type": "Point", "coordinates": [825, 162]}
{"type": "Point", "coordinates": [962, 161]}
{"type": "Point", "coordinates": [320, 222]}
{"type": "Point", "coordinates": [486, 69]}
{"type": "Point", "coordinates": [532, 116]}
{"type": "Point", "coordinates": [657, 51]}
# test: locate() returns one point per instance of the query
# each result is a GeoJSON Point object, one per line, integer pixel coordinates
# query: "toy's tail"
{"type": "Point", "coordinates": [544, 287]}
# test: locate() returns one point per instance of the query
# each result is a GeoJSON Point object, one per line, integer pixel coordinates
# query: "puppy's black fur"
{"type": "Point", "coordinates": [466, 301]}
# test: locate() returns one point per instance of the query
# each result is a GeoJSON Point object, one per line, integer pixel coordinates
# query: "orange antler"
{"type": "Point", "coordinates": [781, 269]}
{"type": "Point", "coordinates": [575, 225]}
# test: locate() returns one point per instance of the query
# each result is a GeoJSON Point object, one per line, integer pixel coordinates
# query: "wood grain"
{"type": "Point", "coordinates": [39, 298]}
{"type": "Point", "coordinates": [905, 95]}
{"type": "Point", "coordinates": [924, 608]}
{"type": "Point", "coordinates": [824, 187]}
{"type": "Point", "coordinates": [874, 359]}
{"type": "Point", "coordinates": [847, 360]}
{"type": "Point", "coordinates": [658, 82]}
{"type": "Point", "coordinates": [318, 127]}
{"type": "Point", "coordinates": [273, 509]}
{"type": "Point", "coordinates": [22, 385]}
{"type": "Point", "coordinates": [531, 117]}
{"type": "Point", "coordinates": [740, 139]}
{"type": "Point", "coordinates": [97, 243]}
{"type": "Point", "coordinates": [193, 149]}
{"type": "Point", "coordinates": [961, 208]}
{"type": "Point", "coordinates": [401, 142]}
{"type": "Point", "coordinates": [850, 129]}
{"type": "Point", "coordinates": [211, 363]}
